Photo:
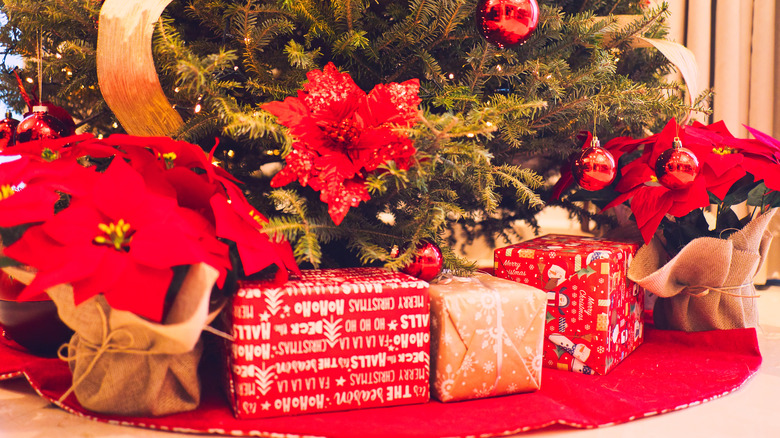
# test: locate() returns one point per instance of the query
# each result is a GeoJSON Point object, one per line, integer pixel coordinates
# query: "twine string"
{"type": "Point", "coordinates": [110, 343]}
{"type": "Point", "coordinates": [699, 291]}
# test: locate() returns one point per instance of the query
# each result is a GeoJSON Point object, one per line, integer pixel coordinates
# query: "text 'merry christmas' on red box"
{"type": "Point", "coordinates": [594, 313]}
{"type": "Point", "coordinates": [332, 339]}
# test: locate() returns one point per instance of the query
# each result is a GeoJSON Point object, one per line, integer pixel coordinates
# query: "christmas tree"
{"type": "Point", "coordinates": [495, 120]}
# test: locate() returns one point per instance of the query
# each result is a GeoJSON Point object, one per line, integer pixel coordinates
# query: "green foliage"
{"type": "Point", "coordinates": [494, 123]}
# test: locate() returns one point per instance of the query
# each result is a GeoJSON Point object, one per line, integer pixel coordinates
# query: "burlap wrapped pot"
{"type": "Point", "coordinates": [708, 285]}
{"type": "Point", "coordinates": [123, 364]}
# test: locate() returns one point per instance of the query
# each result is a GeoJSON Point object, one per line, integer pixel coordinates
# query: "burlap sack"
{"type": "Point", "coordinates": [126, 365]}
{"type": "Point", "coordinates": [709, 284]}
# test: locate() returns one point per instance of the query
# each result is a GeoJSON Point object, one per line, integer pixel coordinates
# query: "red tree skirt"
{"type": "Point", "coordinates": [671, 371]}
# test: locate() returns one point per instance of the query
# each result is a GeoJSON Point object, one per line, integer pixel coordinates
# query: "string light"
{"type": "Point", "coordinates": [197, 105]}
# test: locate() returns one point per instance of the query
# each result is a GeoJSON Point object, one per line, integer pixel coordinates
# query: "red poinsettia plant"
{"type": "Point", "coordinates": [341, 134]}
{"type": "Point", "coordinates": [117, 216]}
{"type": "Point", "coordinates": [731, 171]}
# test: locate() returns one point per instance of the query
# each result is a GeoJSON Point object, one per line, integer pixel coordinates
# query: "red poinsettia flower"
{"type": "Point", "coordinates": [617, 147]}
{"type": "Point", "coordinates": [121, 240]}
{"type": "Point", "coordinates": [51, 149]}
{"type": "Point", "coordinates": [341, 133]}
{"type": "Point", "coordinates": [29, 188]}
{"type": "Point", "coordinates": [650, 201]}
{"type": "Point", "coordinates": [762, 157]}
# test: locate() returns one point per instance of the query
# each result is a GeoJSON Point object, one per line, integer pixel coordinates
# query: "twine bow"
{"type": "Point", "coordinates": [110, 342]}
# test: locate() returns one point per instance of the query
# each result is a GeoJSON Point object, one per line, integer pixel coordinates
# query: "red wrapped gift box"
{"type": "Point", "coordinates": [594, 313]}
{"type": "Point", "coordinates": [330, 340]}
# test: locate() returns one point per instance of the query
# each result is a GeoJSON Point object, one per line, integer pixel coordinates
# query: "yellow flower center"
{"type": "Point", "coordinates": [49, 155]}
{"type": "Point", "coordinates": [6, 191]}
{"type": "Point", "coordinates": [116, 235]}
{"type": "Point", "coordinates": [725, 150]}
{"type": "Point", "coordinates": [257, 217]}
{"type": "Point", "coordinates": [169, 158]}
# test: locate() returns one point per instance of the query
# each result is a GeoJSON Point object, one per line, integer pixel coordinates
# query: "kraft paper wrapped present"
{"type": "Point", "coordinates": [486, 337]}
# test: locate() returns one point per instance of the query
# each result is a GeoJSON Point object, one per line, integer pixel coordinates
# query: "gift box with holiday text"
{"type": "Point", "coordinates": [594, 313]}
{"type": "Point", "coordinates": [331, 339]}
{"type": "Point", "coordinates": [486, 337]}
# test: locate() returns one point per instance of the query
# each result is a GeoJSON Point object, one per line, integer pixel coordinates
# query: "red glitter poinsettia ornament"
{"type": "Point", "coordinates": [342, 134]}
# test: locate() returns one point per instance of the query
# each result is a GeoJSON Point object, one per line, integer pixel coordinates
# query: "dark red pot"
{"type": "Point", "coordinates": [34, 325]}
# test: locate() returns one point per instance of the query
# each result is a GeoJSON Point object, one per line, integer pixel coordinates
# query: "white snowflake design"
{"type": "Point", "coordinates": [448, 338]}
{"type": "Point", "coordinates": [533, 361]}
{"type": "Point", "coordinates": [468, 363]}
{"type": "Point", "coordinates": [488, 367]}
{"type": "Point", "coordinates": [600, 349]}
{"type": "Point", "coordinates": [445, 387]}
{"type": "Point", "coordinates": [490, 338]}
{"type": "Point", "coordinates": [484, 391]}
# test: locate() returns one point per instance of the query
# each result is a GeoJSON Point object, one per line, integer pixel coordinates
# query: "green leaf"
{"type": "Point", "coordinates": [761, 195]}
{"type": "Point", "coordinates": [739, 191]}
{"type": "Point", "coordinates": [7, 262]}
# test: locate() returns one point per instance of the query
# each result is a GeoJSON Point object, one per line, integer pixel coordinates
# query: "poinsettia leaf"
{"type": "Point", "coordinates": [761, 195]}
{"type": "Point", "coordinates": [599, 197]}
{"type": "Point", "coordinates": [7, 261]}
{"type": "Point", "coordinates": [740, 191]}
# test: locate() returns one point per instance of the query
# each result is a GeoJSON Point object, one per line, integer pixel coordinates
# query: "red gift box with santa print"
{"type": "Point", "coordinates": [331, 339]}
{"type": "Point", "coordinates": [594, 312]}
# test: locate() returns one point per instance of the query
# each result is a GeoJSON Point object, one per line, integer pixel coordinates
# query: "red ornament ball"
{"type": "Point", "coordinates": [677, 167]}
{"type": "Point", "coordinates": [595, 167]}
{"type": "Point", "coordinates": [58, 113]}
{"type": "Point", "coordinates": [8, 131]}
{"type": "Point", "coordinates": [40, 125]}
{"type": "Point", "coordinates": [427, 262]}
{"type": "Point", "coordinates": [507, 23]}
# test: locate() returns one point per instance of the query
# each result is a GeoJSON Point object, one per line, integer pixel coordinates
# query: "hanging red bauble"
{"type": "Point", "coordinates": [677, 167]}
{"type": "Point", "coordinates": [595, 168]}
{"type": "Point", "coordinates": [40, 125]}
{"type": "Point", "coordinates": [427, 262]}
{"type": "Point", "coordinates": [506, 23]}
{"type": "Point", "coordinates": [58, 113]}
{"type": "Point", "coordinates": [8, 131]}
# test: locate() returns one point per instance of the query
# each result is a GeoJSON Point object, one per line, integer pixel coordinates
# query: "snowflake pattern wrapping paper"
{"type": "Point", "coordinates": [594, 312]}
{"type": "Point", "coordinates": [486, 337]}
{"type": "Point", "coordinates": [329, 340]}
